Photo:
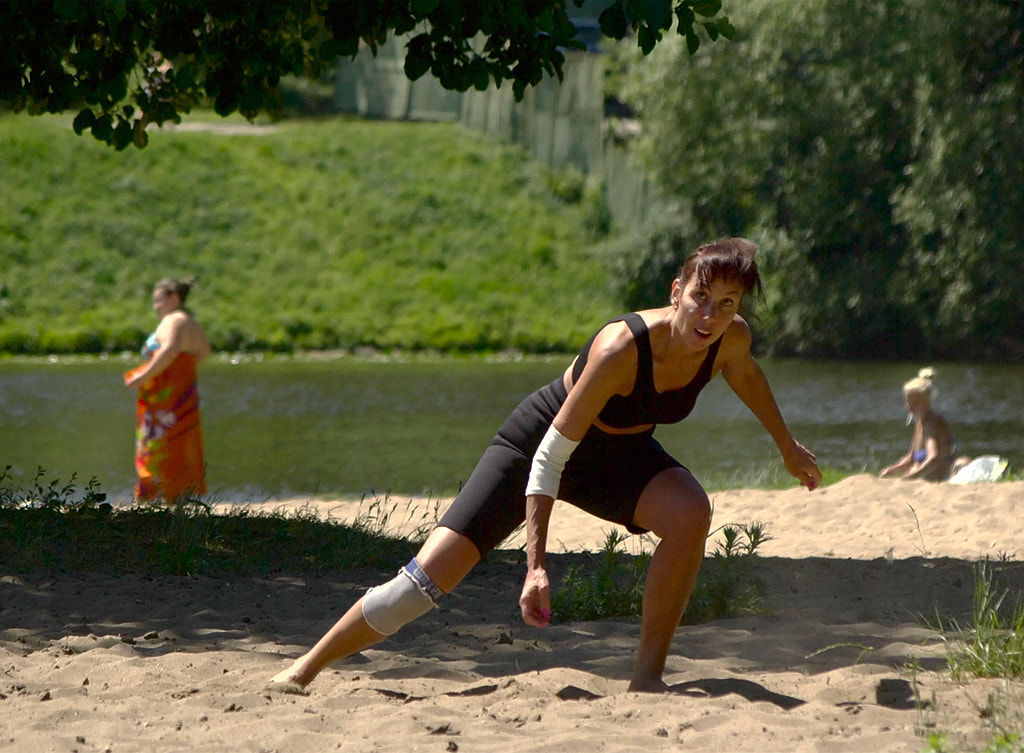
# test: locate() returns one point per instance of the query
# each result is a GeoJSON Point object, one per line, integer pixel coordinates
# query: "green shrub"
{"type": "Point", "coordinates": [568, 184]}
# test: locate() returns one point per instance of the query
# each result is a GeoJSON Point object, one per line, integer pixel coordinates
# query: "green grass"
{"type": "Point", "coordinates": [70, 527]}
{"type": "Point", "coordinates": [333, 234]}
{"type": "Point", "coordinates": [728, 585]}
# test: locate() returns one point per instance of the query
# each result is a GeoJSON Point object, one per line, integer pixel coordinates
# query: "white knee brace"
{"type": "Point", "coordinates": [401, 600]}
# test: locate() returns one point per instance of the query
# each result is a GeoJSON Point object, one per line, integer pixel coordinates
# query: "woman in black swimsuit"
{"type": "Point", "coordinates": [587, 439]}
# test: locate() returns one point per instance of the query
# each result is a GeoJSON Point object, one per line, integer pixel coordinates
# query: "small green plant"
{"type": "Point", "coordinates": [568, 184]}
{"type": "Point", "coordinates": [728, 585]}
{"type": "Point", "coordinates": [379, 519]}
{"type": "Point", "coordinates": [613, 587]}
{"type": "Point", "coordinates": [52, 495]}
{"type": "Point", "coordinates": [187, 536]}
{"type": "Point", "coordinates": [1003, 731]}
{"type": "Point", "coordinates": [936, 743]}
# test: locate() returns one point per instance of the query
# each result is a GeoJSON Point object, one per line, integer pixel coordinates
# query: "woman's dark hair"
{"type": "Point", "coordinates": [727, 259]}
{"type": "Point", "coordinates": [176, 287]}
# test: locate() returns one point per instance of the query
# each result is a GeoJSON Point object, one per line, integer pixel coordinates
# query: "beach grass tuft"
{"type": "Point", "coordinates": [991, 646]}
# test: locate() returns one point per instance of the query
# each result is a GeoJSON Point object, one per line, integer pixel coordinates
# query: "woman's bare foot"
{"type": "Point", "coordinates": [648, 686]}
{"type": "Point", "coordinates": [287, 681]}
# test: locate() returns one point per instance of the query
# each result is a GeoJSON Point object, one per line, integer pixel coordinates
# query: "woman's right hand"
{"type": "Point", "coordinates": [535, 601]}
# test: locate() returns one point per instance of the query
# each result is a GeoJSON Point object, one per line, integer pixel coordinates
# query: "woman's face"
{"type": "Point", "coordinates": [917, 403]}
{"type": "Point", "coordinates": [164, 302]}
{"type": "Point", "coordinates": [705, 312]}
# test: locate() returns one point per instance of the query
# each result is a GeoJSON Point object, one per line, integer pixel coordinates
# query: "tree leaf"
{"type": "Point", "coordinates": [656, 13]}
{"type": "Point", "coordinates": [100, 53]}
{"type": "Point", "coordinates": [101, 129]}
{"type": "Point", "coordinates": [226, 101]}
{"type": "Point", "coordinates": [707, 8]}
{"type": "Point", "coordinates": [83, 121]}
{"type": "Point", "coordinates": [122, 135]}
{"type": "Point", "coordinates": [139, 136]}
{"type": "Point", "coordinates": [70, 10]}
{"type": "Point", "coordinates": [419, 57]}
{"type": "Point", "coordinates": [692, 41]}
{"type": "Point", "coordinates": [685, 17]}
{"type": "Point", "coordinates": [481, 76]}
{"type": "Point", "coordinates": [424, 8]}
{"type": "Point", "coordinates": [647, 38]}
{"type": "Point", "coordinates": [613, 21]}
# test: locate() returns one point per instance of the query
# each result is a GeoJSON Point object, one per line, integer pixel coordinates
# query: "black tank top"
{"type": "Point", "coordinates": [645, 405]}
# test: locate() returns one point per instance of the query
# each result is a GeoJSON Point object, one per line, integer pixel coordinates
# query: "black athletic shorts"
{"type": "Point", "coordinates": [604, 476]}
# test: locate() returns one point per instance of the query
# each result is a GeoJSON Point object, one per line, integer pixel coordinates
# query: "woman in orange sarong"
{"type": "Point", "coordinates": [169, 456]}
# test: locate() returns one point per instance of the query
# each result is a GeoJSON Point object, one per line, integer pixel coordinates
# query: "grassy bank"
{"type": "Point", "coordinates": [308, 235]}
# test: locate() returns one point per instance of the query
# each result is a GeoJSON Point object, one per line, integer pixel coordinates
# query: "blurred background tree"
{"type": "Point", "coordinates": [875, 149]}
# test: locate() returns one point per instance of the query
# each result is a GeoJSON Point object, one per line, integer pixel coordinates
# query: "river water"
{"type": "Point", "coordinates": [278, 427]}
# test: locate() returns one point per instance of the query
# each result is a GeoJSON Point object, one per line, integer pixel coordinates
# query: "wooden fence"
{"type": "Point", "coordinates": [562, 124]}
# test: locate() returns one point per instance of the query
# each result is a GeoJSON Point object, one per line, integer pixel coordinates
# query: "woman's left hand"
{"type": "Point", "coordinates": [803, 465]}
{"type": "Point", "coordinates": [132, 380]}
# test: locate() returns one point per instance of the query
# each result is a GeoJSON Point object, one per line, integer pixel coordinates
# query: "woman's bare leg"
{"type": "Point", "coordinates": [675, 508]}
{"type": "Point", "coordinates": [446, 556]}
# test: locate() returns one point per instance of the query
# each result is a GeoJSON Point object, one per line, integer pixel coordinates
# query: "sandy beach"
{"type": "Point", "coordinates": [843, 661]}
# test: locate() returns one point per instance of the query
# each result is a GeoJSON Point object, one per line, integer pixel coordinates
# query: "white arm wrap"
{"type": "Point", "coordinates": [549, 460]}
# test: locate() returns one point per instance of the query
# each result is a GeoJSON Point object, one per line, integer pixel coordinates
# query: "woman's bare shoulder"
{"type": "Point", "coordinates": [613, 354]}
{"type": "Point", "coordinates": [936, 423]}
{"type": "Point", "coordinates": [736, 340]}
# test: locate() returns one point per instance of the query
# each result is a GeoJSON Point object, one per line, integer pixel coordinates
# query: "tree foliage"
{"type": "Point", "coordinates": [124, 64]}
{"type": "Point", "coordinates": [962, 201]}
{"type": "Point", "coordinates": [877, 152]}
